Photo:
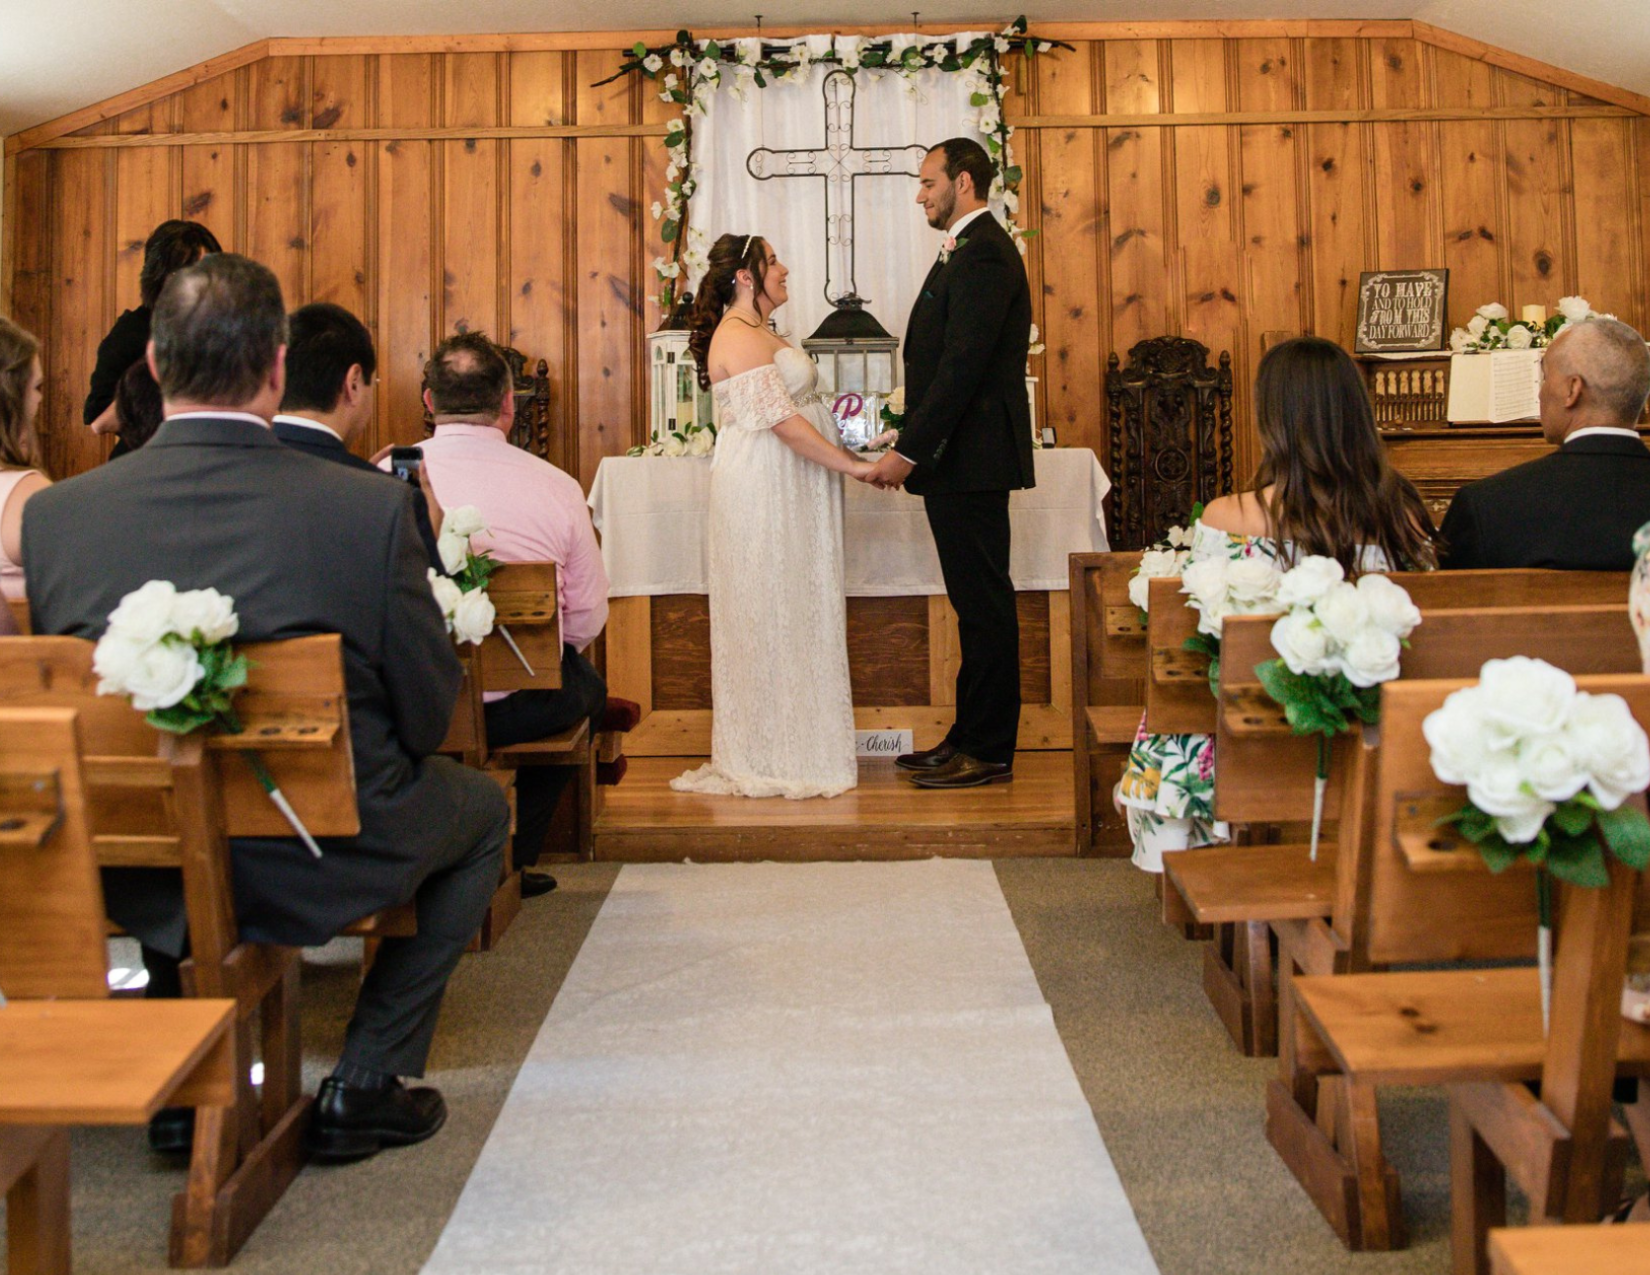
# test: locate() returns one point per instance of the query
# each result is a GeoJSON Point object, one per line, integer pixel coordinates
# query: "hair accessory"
{"type": "Point", "coordinates": [744, 247]}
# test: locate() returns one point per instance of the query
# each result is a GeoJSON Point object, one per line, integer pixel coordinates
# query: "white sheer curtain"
{"type": "Point", "coordinates": [894, 246]}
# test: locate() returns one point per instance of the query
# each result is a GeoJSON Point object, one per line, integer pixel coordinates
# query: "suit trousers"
{"type": "Point", "coordinates": [529, 715]}
{"type": "Point", "coordinates": [396, 1009]}
{"type": "Point", "coordinates": [971, 534]}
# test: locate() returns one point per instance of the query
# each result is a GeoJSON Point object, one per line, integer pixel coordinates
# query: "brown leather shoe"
{"type": "Point", "coordinates": [927, 758]}
{"type": "Point", "coordinates": [963, 771]}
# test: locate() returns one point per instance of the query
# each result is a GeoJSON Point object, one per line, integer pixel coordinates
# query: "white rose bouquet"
{"type": "Point", "coordinates": [1336, 644]}
{"type": "Point", "coordinates": [1219, 587]}
{"type": "Point", "coordinates": [462, 593]}
{"type": "Point", "coordinates": [696, 440]}
{"type": "Point", "coordinates": [1165, 560]}
{"type": "Point", "coordinates": [168, 651]}
{"type": "Point", "coordinates": [1492, 328]}
{"type": "Point", "coordinates": [1548, 770]}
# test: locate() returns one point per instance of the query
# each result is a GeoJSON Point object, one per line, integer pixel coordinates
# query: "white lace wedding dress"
{"type": "Point", "coordinates": [783, 722]}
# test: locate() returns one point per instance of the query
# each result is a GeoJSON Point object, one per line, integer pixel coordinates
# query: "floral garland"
{"type": "Point", "coordinates": [1492, 328]}
{"type": "Point", "coordinates": [689, 71]}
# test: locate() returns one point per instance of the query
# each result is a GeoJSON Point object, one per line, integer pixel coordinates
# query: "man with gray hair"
{"type": "Point", "coordinates": [1577, 509]}
{"type": "Point", "coordinates": [216, 500]}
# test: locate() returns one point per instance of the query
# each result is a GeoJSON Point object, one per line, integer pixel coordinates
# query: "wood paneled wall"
{"type": "Point", "coordinates": [1289, 157]}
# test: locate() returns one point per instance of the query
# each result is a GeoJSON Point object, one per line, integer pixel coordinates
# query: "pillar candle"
{"type": "Point", "coordinates": [1534, 314]}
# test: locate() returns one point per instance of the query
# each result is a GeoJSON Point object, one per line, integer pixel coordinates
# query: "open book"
{"type": "Point", "coordinates": [1494, 387]}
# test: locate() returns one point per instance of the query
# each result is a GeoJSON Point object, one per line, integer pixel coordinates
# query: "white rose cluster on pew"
{"type": "Point", "coordinates": [1333, 626]}
{"type": "Point", "coordinates": [1525, 740]}
{"type": "Point", "coordinates": [1219, 587]}
{"type": "Point", "coordinates": [462, 595]}
{"type": "Point", "coordinates": [151, 648]}
{"type": "Point", "coordinates": [1163, 561]}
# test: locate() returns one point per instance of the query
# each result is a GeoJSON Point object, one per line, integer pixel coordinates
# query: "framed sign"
{"type": "Point", "coordinates": [1401, 310]}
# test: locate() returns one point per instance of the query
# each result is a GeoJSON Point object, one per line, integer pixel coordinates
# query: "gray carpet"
{"type": "Point", "coordinates": [1179, 1109]}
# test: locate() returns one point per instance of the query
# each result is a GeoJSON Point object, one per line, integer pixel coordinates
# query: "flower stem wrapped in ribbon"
{"type": "Point", "coordinates": [1336, 643]}
{"type": "Point", "coordinates": [169, 653]}
{"type": "Point", "coordinates": [1548, 769]}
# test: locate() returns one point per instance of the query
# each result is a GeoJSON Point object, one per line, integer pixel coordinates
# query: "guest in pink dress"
{"type": "Point", "coordinates": [21, 381]}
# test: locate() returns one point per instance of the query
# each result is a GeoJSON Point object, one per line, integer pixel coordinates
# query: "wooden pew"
{"type": "Point", "coordinates": [1597, 1250]}
{"type": "Point", "coordinates": [69, 1055]}
{"type": "Point", "coordinates": [1108, 661]}
{"type": "Point", "coordinates": [1410, 892]}
{"type": "Point", "coordinates": [158, 800]}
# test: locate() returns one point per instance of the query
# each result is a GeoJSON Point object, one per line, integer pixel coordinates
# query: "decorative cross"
{"type": "Point", "coordinates": [840, 163]}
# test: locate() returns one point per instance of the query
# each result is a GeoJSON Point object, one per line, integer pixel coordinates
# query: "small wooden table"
{"type": "Point", "coordinates": [82, 1062]}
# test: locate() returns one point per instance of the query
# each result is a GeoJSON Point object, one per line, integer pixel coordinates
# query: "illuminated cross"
{"type": "Point", "coordinates": [840, 164]}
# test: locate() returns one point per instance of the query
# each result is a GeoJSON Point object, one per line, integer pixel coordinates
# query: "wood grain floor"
{"type": "Point", "coordinates": [886, 817]}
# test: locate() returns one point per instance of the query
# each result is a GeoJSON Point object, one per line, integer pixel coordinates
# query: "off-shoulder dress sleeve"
{"type": "Point", "coordinates": [754, 400]}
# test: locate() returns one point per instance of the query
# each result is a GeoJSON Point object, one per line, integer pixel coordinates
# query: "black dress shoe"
{"type": "Point", "coordinates": [534, 884]}
{"type": "Point", "coordinates": [928, 758]}
{"type": "Point", "coordinates": [172, 1131]}
{"type": "Point", "coordinates": [351, 1124]}
{"type": "Point", "coordinates": [963, 771]}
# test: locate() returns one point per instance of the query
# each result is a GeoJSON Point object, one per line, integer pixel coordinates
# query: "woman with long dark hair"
{"type": "Point", "coordinates": [21, 385]}
{"type": "Point", "coordinates": [1324, 487]}
{"type": "Point", "coordinates": [783, 723]}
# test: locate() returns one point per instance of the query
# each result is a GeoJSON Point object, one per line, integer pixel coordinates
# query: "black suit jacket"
{"type": "Point", "coordinates": [330, 447]}
{"type": "Point", "coordinates": [303, 547]}
{"type": "Point", "coordinates": [967, 422]}
{"type": "Point", "coordinates": [1575, 510]}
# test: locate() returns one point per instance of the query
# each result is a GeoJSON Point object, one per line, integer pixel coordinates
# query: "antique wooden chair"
{"type": "Point", "coordinates": [1169, 416]}
{"type": "Point", "coordinates": [1108, 657]}
{"type": "Point", "coordinates": [161, 801]}
{"type": "Point", "coordinates": [68, 1054]}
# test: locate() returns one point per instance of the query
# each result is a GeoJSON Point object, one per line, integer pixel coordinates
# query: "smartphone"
{"type": "Point", "coordinates": [405, 462]}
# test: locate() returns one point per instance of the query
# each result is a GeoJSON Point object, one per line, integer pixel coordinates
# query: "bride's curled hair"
{"type": "Point", "coordinates": [728, 256]}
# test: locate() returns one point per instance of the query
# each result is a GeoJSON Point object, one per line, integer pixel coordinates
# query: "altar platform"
{"type": "Point", "coordinates": [886, 817]}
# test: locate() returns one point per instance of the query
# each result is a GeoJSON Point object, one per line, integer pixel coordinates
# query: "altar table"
{"type": "Point", "coordinates": [902, 633]}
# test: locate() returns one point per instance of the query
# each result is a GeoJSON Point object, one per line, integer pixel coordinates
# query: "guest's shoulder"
{"type": "Point", "coordinates": [1533, 477]}
{"type": "Point", "coordinates": [1240, 516]}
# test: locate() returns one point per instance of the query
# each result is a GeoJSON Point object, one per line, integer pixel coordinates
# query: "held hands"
{"type": "Point", "coordinates": [890, 471]}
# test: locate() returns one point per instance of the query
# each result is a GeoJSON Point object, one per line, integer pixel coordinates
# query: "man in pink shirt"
{"type": "Point", "coordinates": [534, 513]}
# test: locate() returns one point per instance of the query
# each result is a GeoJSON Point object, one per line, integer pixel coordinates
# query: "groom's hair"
{"type": "Point", "coordinates": [965, 155]}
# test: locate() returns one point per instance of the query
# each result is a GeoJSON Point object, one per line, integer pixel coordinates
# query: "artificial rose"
{"type": "Point", "coordinates": [1611, 745]}
{"type": "Point", "coordinates": [145, 615]}
{"type": "Point", "coordinates": [1455, 733]}
{"type": "Point", "coordinates": [673, 446]}
{"type": "Point", "coordinates": [466, 520]}
{"type": "Point", "coordinates": [1181, 537]}
{"type": "Point", "coordinates": [1574, 309]}
{"type": "Point", "coordinates": [446, 594]}
{"type": "Point", "coordinates": [1524, 697]}
{"type": "Point", "coordinates": [1390, 607]}
{"type": "Point", "coordinates": [1551, 768]}
{"type": "Point", "coordinates": [701, 443]}
{"type": "Point", "coordinates": [113, 659]}
{"type": "Point", "coordinates": [162, 674]}
{"type": "Point", "coordinates": [896, 401]}
{"type": "Point", "coordinates": [1205, 583]}
{"type": "Point", "coordinates": [1494, 310]}
{"type": "Point", "coordinates": [1476, 326]}
{"type": "Point", "coordinates": [1519, 337]}
{"type": "Point", "coordinates": [1459, 340]}
{"type": "Point", "coordinates": [454, 550]}
{"type": "Point", "coordinates": [1343, 611]}
{"type": "Point", "coordinates": [473, 617]}
{"type": "Point", "coordinates": [1302, 643]}
{"type": "Point", "coordinates": [1252, 583]}
{"type": "Point", "coordinates": [1499, 789]}
{"type": "Point", "coordinates": [1155, 564]}
{"type": "Point", "coordinates": [1371, 657]}
{"type": "Point", "coordinates": [1307, 581]}
{"type": "Point", "coordinates": [204, 615]}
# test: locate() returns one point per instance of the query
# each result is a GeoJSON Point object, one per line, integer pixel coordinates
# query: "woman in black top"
{"type": "Point", "coordinates": [172, 246]}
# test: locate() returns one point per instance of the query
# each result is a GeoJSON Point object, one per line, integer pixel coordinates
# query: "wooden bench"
{"type": "Point", "coordinates": [1413, 893]}
{"type": "Point", "coordinates": [1596, 1250]}
{"type": "Point", "coordinates": [1108, 660]}
{"type": "Point", "coordinates": [68, 1055]}
{"type": "Point", "coordinates": [161, 801]}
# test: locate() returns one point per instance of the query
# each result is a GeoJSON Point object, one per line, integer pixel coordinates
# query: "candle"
{"type": "Point", "coordinates": [1536, 314]}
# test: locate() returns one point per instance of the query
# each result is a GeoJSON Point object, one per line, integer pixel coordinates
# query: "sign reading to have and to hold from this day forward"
{"type": "Point", "coordinates": [1401, 310]}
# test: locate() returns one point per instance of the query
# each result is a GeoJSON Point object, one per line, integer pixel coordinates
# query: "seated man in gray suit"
{"type": "Point", "coordinates": [1577, 509]}
{"type": "Point", "coordinates": [302, 547]}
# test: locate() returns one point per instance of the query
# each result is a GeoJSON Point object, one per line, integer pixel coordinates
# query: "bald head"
{"type": "Point", "coordinates": [1596, 373]}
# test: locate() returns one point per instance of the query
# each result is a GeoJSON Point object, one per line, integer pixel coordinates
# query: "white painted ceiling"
{"type": "Point", "coordinates": [55, 58]}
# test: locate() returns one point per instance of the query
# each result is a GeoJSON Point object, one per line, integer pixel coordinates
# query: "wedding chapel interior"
{"type": "Point", "coordinates": [895, 1029]}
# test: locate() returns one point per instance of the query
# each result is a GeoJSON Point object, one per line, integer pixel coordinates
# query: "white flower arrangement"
{"type": "Point", "coordinates": [1165, 560]}
{"type": "Point", "coordinates": [167, 650]}
{"type": "Point", "coordinates": [1548, 769]}
{"type": "Point", "coordinates": [1219, 587]}
{"type": "Point", "coordinates": [1492, 328]}
{"type": "Point", "coordinates": [695, 441]}
{"type": "Point", "coordinates": [462, 593]}
{"type": "Point", "coordinates": [1336, 644]}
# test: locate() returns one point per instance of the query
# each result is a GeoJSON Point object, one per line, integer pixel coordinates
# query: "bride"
{"type": "Point", "coordinates": [783, 719]}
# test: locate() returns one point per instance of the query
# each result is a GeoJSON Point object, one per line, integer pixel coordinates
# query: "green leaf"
{"type": "Point", "coordinates": [639, 49]}
{"type": "Point", "coordinates": [1572, 818]}
{"type": "Point", "coordinates": [873, 57]}
{"type": "Point", "coordinates": [760, 82]}
{"type": "Point", "coordinates": [1012, 175]}
{"type": "Point", "coordinates": [667, 231]}
{"type": "Point", "coordinates": [1498, 855]}
{"type": "Point", "coordinates": [713, 51]}
{"type": "Point", "coordinates": [1628, 832]}
{"type": "Point", "coordinates": [979, 99]}
{"type": "Point", "coordinates": [1578, 861]}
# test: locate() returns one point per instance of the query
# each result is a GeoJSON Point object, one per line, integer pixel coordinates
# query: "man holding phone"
{"type": "Point", "coordinates": [330, 374]}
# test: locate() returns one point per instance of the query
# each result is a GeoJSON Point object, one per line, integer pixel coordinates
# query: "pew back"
{"type": "Point", "coordinates": [1263, 773]}
{"type": "Point", "coordinates": [524, 599]}
{"type": "Point", "coordinates": [51, 899]}
{"type": "Point", "coordinates": [1108, 663]}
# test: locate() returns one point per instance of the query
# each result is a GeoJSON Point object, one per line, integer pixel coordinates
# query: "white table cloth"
{"type": "Point", "coordinates": [650, 511]}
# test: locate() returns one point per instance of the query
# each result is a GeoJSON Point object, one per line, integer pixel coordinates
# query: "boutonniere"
{"type": "Point", "coordinates": [950, 246]}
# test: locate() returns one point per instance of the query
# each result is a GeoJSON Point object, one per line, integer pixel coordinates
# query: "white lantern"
{"type": "Point", "coordinates": [858, 368]}
{"type": "Point", "coordinates": [677, 403]}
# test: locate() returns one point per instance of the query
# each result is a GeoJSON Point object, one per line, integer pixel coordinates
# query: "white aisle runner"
{"type": "Point", "coordinates": [809, 1068]}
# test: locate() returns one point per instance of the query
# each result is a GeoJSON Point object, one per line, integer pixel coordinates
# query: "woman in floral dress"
{"type": "Point", "coordinates": [1324, 486]}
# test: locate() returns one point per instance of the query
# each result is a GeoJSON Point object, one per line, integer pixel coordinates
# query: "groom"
{"type": "Point", "coordinates": [965, 444]}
